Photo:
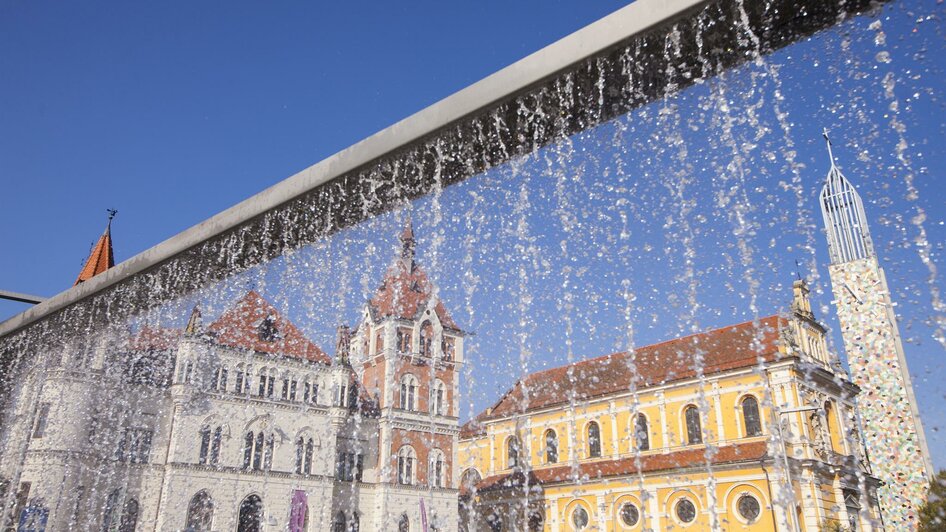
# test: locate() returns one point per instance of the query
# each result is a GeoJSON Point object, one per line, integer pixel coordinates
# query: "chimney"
{"type": "Point", "coordinates": [342, 344]}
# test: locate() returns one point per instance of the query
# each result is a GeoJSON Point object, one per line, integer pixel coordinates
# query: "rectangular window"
{"type": "Point", "coordinates": [270, 384]}
{"type": "Point", "coordinates": [222, 380]}
{"type": "Point", "coordinates": [315, 393]}
{"type": "Point", "coordinates": [292, 390]}
{"type": "Point", "coordinates": [305, 393]}
{"type": "Point", "coordinates": [140, 448]}
{"type": "Point", "coordinates": [379, 342]}
{"type": "Point", "coordinates": [42, 418]}
{"type": "Point", "coordinates": [285, 389]}
{"type": "Point", "coordinates": [403, 341]}
{"type": "Point", "coordinates": [240, 382]}
{"type": "Point", "coordinates": [449, 348]}
{"type": "Point", "coordinates": [359, 467]}
{"type": "Point", "coordinates": [262, 386]}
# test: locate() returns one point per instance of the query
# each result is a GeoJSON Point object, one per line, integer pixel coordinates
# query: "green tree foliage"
{"type": "Point", "coordinates": [933, 512]}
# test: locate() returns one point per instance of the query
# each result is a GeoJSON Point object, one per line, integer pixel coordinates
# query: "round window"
{"type": "Point", "coordinates": [748, 507]}
{"type": "Point", "coordinates": [630, 515]}
{"type": "Point", "coordinates": [580, 518]}
{"type": "Point", "coordinates": [686, 512]}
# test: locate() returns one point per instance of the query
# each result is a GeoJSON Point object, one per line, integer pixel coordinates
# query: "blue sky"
{"type": "Point", "coordinates": [171, 113]}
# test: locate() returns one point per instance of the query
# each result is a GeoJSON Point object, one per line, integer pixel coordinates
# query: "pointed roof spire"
{"type": "Point", "coordinates": [101, 258]}
{"type": "Point", "coordinates": [844, 219]}
{"type": "Point", "coordinates": [824, 133]}
{"type": "Point", "coordinates": [408, 243]}
{"type": "Point", "coordinates": [194, 323]}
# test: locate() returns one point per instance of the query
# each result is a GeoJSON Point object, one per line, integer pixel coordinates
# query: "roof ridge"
{"type": "Point", "coordinates": [648, 346]}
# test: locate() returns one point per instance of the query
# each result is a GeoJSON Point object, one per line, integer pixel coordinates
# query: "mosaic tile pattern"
{"type": "Point", "coordinates": [886, 403]}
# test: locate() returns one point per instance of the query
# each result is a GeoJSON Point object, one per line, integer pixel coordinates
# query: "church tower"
{"type": "Point", "coordinates": [408, 351]}
{"type": "Point", "coordinates": [893, 432]}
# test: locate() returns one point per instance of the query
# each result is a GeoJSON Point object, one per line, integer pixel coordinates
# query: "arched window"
{"type": "Point", "coordinates": [469, 480]}
{"type": "Point", "coordinates": [129, 519]}
{"type": "Point", "coordinates": [427, 339]}
{"type": "Point", "coordinates": [594, 440]}
{"type": "Point", "coordinates": [513, 450]}
{"type": "Point", "coordinates": [200, 513]}
{"type": "Point", "coordinates": [338, 524]}
{"type": "Point", "coordinates": [408, 392]}
{"type": "Point", "coordinates": [209, 452]}
{"type": "Point", "coordinates": [404, 524]}
{"type": "Point", "coordinates": [551, 447]}
{"type": "Point", "coordinates": [406, 459]}
{"type": "Point", "coordinates": [258, 451]}
{"type": "Point", "coordinates": [355, 524]}
{"type": "Point", "coordinates": [438, 393]}
{"type": "Point", "coordinates": [215, 445]}
{"type": "Point", "coordinates": [307, 459]}
{"type": "Point", "coordinates": [641, 433]}
{"type": "Point", "coordinates": [111, 509]}
{"type": "Point", "coordinates": [248, 450]}
{"type": "Point", "coordinates": [436, 469]}
{"type": "Point", "coordinates": [251, 514]}
{"type": "Point", "coordinates": [188, 372]}
{"type": "Point", "coordinates": [750, 416]}
{"type": "Point", "coordinates": [300, 453]}
{"type": "Point", "coordinates": [693, 425]}
{"type": "Point", "coordinates": [204, 454]}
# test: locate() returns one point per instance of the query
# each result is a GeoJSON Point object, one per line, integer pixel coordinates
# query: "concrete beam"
{"type": "Point", "coordinates": [396, 163]}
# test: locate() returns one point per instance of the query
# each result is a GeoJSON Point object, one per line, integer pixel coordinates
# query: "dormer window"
{"type": "Point", "coordinates": [267, 330]}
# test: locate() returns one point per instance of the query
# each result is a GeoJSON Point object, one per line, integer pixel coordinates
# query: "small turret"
{"type": "Point", "coordinates": [195, 324]}
{"type": "Point", "coordinates": [343, 344]}
{"type": "Point", "coordinates": [101, 257]}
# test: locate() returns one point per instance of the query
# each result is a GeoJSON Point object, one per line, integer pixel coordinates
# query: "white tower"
{"type": "Point", "coordinates": [893, 430]}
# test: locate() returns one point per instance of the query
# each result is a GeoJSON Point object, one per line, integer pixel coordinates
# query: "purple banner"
{"type": "Point", "coordinates": [297, 511]}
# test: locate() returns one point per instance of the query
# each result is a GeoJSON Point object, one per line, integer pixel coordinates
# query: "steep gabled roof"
{"type": "Point", "coordinates": [241, 325]}
{"type": "Point", "coordinates": [155, 338]}
{"type": "Point", "coordinates": [406, 290]}
{"type": "Point", "coordinates": [722, 349]}
{"type": "Point", "coordinates": [101, 258]}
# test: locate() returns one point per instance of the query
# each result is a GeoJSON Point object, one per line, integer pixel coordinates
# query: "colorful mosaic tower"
{"type": "Point", "coordinates": [893, 432]}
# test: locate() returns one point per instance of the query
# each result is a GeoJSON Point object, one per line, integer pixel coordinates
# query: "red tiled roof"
{"type": "Point", "coordinates": [239, 327]}
{"type": "Point", "coordinates": [155, 338]}
{"type": "Point", "coordinates": [722, 349]}
{"type": "Point", "coordinates": [472, 428]}
{"type": "Point", "coordinates": [591, 471]}
{"type": "Point", "coordinates": [100, 259]}
{"type": "Point", "coordinates": [404, 293]}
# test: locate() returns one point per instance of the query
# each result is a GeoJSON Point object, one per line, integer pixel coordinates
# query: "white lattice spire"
{"type": "Point", "coordinates": [844, 218]}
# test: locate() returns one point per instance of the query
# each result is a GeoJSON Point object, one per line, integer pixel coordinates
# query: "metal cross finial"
{"type": "Point", "coordinates": [111, 213]}
{"type": "Point", "coordinates": [797, 270]}
{"type": "Point", "coordinates": [828, 140]}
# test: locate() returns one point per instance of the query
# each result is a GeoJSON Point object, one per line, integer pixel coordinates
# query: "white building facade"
{"type": "Point", "coordinates": [244, 424]}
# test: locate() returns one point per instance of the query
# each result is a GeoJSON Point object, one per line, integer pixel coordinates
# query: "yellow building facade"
{"type": "Point", "coordinates": [748, 427]}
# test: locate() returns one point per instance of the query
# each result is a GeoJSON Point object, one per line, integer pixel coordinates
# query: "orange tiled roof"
{"type": "Point", "coordinates": [591, 471]}
{"type": "Point", "coordinates": [101, 257]}
{"type": "Point", "coordinates": [155, 338]}
{"type": "Point", "coordinates": [239, 327]}
{"type": "Point", "coordinates": [406, 289]}
{"type": "Point", "coordinates": [722, 349]}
